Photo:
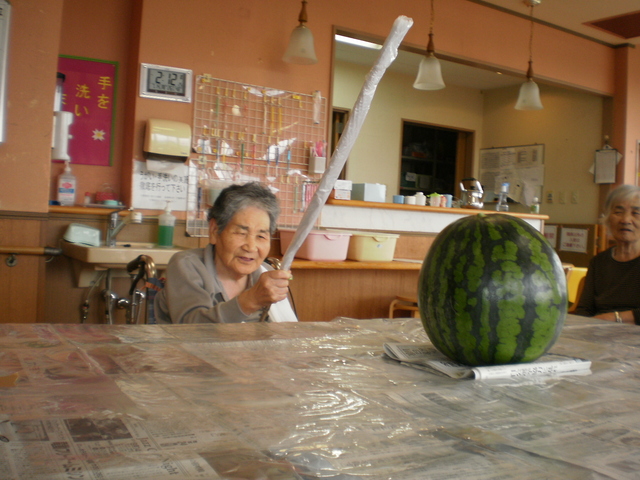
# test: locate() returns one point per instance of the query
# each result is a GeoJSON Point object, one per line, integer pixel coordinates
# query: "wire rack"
{"type": "Point", "coordinates": [245, 133]}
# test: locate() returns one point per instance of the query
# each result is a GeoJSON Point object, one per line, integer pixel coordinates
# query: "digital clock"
{"type": "Point", "coordinates": [165, 83]}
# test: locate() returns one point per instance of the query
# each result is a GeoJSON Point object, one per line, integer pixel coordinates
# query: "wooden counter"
{"type": "Point", "coordinates": [352, 265]}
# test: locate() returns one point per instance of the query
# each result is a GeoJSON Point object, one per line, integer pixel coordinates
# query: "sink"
{"type": "Point", "coordinates": [120, 255]}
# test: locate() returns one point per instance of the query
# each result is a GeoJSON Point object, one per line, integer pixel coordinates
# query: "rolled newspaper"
{"type": "Point", "coordinates": [388, 54]}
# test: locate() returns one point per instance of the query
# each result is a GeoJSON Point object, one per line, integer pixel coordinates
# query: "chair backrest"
{"type": "Point", "coordinates": [577, 275]}
{"type": "Point", "coordinates": [574, 305]}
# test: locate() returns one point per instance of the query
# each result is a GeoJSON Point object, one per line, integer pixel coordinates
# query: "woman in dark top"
{"type": "Point", "coordinates": [612, 285]}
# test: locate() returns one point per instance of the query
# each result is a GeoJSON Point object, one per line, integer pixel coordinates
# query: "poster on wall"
{"type": "Point", "coordinates": [522, 167]}
{"type": "Point", "coordinates": [551, 234]}
{"type": "Point", "coordinates": [89, 92]}
{"type": "Point", "coordinates": [574, 240]}
{"type": "Point", "coordinates": [153, 189]}
{"type": "Point", "coordinates": [605, 164]}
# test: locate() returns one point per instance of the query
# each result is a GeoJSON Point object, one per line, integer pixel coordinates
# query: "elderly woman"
{"type": "Point", "coordinates": [225, 282]}
{"type": "Point", "coordinates": [612, 285]}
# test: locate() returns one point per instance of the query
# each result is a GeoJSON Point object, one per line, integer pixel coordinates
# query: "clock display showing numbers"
{"type": "Point", "coordinates": [165, 83]}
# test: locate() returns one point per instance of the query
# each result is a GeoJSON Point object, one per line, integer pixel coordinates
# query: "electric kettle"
{"type": "Point", "coordinates": [471, 193]}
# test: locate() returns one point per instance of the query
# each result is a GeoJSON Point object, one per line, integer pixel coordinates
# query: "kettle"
{"type": "Point", "coordinates": [471, 193]}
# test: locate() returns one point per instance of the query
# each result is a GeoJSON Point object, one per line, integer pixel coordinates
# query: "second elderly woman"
{"type": "Point", "coordinates": [612, 285]}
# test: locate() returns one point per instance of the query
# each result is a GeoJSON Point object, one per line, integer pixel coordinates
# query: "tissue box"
{"type": "Point", "coordinates": [83, 234]}
{"type": "Point", "coordinates": [369, 192]}
{"type": "Point", "coordinates": [342, 190]}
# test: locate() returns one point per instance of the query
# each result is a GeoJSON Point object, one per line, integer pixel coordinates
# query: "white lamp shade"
{"type": "Point", "coordinates": [429, 74]}
{"type": "Point", "coordinates": [529, 98]}
{"type": "Point", "coordinates": [301, 49]}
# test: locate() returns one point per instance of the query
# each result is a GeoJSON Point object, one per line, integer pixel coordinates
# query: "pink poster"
{"type": "Point", "coordinates": [89, 92]}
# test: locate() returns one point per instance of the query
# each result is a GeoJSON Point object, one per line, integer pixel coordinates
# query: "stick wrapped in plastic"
{"type": "Point", "coordinates": [360, 110]}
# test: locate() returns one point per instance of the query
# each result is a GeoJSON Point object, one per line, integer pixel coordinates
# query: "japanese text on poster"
{"type": "Point", "coordinates": [551, 234]}
{"type": "Point", "coordinates": [89, 93]}
{"type": "Point", "coordinates": [574, 240]}
{"type": "Point", "coordinates": [154, 189]}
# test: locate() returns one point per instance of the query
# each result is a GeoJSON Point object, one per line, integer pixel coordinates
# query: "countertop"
{"type": "Point", "coordinates": [428, 208]}
{"type": "Point", "coordinates": [304, 401]}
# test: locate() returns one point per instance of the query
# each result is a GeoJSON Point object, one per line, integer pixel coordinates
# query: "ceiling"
{"type": "Point", "coordinates": [575, 16]}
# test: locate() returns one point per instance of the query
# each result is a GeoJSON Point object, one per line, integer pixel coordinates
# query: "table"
{"type": "Point", "coordinates": [304, 401]}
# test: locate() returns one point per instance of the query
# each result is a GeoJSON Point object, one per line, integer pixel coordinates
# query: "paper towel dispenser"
{"type": "Point", "coordinates": [167, 140]}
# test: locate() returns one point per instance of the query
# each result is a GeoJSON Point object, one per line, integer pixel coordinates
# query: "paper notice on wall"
{"type": "Point", "coordinates": [605, 165]}
{"type": "Point", "coordinates": [153, 189]}
{"type": "Point", "coordinates": [551, 234]}
{"type": "Point", "coordinates": [574, 240]}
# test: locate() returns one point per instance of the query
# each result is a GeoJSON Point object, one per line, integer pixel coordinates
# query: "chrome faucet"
{"type": "Point", "coordinates": [115, 224]}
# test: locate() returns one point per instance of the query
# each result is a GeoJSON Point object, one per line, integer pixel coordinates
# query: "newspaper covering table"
{"type": "Point", "coordinates": [304, 401]}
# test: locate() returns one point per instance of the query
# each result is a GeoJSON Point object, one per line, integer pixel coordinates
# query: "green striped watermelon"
{"type": "Point", "coordinates": [492, 291]}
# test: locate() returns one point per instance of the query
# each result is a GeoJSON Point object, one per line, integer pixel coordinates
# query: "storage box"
{"type": "Point", "coordinates": [340, 194]}
{"type": "Point", "coordinates": [320, 245]}
{"type": "Point", "coordinates": [369, 192]}
{"type": "Point", "coordinates": [372, 246]}
{"type": "Point", "coordinates": [83, 234]}
{"type": "Point", "coordinates": [343, 185]}
{"type": "Point", "coordinates": [341, 190]}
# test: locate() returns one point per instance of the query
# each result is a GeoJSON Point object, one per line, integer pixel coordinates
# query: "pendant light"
{"type": "Point", "coordinates": [529, 97]}
{"type": "Point", "coordinates": [301, 49]}
{"type": "Point", "coordinates": [429, 73]}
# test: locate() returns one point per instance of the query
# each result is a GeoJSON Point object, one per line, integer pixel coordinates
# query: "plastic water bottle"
{"type": "Point", "coordinates": [535, 205]}
{"type": "Point", "coordinates": [502, 205]}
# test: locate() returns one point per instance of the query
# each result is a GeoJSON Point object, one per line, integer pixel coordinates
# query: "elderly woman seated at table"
{"type": "Point", "coordinates": [612, 285]}
{"type": "Point", "coordinates": [226, 282]}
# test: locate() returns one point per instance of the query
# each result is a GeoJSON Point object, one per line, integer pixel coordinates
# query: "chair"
{"type": "Point", "coordinates": [578, 292]}
{"type": "Point", "coordinates": [575, 284]}
{"type": "Point", "coordinates": [404, 304]}
{"type": "Point", "coordinates": [573, 281]}
{"type": "Point", "coordinates": [568, 268]}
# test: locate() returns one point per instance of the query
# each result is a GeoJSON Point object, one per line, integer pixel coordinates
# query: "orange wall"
{"type": "Point", "coordinates": [32, 61]}
{"type": "Point", "coordinates": [629, 113]}
{"type": "Point", "coordinates": [238, 41]}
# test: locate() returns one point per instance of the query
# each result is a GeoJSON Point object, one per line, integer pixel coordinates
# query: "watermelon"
{"type": "Point", "coordinates": [492, 291]}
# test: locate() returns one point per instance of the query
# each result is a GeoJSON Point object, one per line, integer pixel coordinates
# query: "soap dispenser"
{"type": "Point", "coordinates": [166, 223]}
{"type": "Point", "coordinates": [66, 192]}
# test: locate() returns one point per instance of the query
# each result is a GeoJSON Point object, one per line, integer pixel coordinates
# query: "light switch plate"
{"type": "Point", "coordinates": [549, 196]}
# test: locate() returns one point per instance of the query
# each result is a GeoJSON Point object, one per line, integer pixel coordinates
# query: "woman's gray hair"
{"type": "Point", "coordinates": [237, 197]}
{"type": "Point", "coordinates": [622, 193]}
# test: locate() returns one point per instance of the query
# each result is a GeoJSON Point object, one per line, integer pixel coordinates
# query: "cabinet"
{"type": "Point", "coordinates": [428, 159]}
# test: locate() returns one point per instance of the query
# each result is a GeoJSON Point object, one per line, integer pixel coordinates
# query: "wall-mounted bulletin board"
{"type": "Point", "coordinates": [521, 166]}
{"type": "Point", "coordinates": [245, 133]}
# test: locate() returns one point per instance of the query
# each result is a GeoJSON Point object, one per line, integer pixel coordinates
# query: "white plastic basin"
{"type": "Point", "coordinates": [120, 255]}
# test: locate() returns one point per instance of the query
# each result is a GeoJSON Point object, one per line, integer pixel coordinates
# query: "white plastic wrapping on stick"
{"type": "Point", "coordinates": [360, 110]}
